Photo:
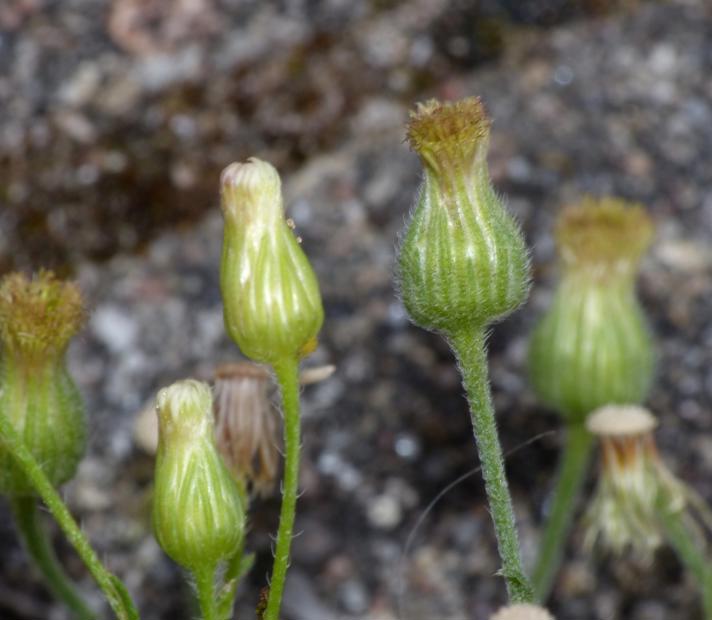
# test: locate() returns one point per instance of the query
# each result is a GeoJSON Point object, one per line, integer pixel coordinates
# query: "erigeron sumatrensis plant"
{"type": "Point", "coordinates": [273, 312]}
{"type": "Point", "coordinates": [591, 348]}
{"type": "Point", "coordinates": [462, 265]}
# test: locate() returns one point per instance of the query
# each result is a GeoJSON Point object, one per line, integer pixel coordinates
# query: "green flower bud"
{"type": "Point", "coordinates": [462, 261]}
{"type": "Point", "coordinates": [593, 346]}
{"type": "Point", "coordinates": [38, 318]}
{"type": "Point", "coordinates": [198, 516]}
{"type": "Point", "coordinates": [272, 304]}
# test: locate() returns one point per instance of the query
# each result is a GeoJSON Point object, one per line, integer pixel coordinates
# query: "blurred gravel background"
{"type": "Point", "coordinates": [116, 119]}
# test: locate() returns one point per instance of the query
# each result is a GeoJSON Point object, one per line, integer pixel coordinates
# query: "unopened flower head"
{"type": "Point", "coordinates": [272, 304]}
{"type": "Point", "coordinates": [634, 485]}
{"type": "Point", "coordinates": [462, 260]}
{"type": "Point", "coordinates": [593, 346]}
{"type": "Point", "coordinates": [247, 429]}
{"type": "Point", "coordinates": [198, 515]}
{"type": "Point", "coordinates": [524, 611]}
{"type": "Point", "coordinates": [38, 317]}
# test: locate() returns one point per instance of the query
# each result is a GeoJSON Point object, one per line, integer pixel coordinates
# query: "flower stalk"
{"type": "Point", "coordinates": [591, 348]}
{"type": "Point", "coordinates": [273, 312]}
{"type": "Point", "coordinates": [462, 265]}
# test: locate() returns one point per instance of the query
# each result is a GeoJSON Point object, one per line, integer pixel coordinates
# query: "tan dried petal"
{"type": "Point", "coordinates": [246, 425]}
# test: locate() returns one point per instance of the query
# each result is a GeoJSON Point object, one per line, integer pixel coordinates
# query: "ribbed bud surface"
{"type": "Point", "coordinates": [462, 260]}
{"type": "Point", "coordinates": [593, 346]}
{"type": "Point", "coordinates": [38, 317]}
{"type": "Point", "coordinates": [198, 516]}
{"type": "Point", "coordinates": [272, 304]}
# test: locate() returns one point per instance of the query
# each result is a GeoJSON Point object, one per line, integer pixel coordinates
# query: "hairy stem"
{"type": "Point", "coordinates": [572, 471]}
{"type": "Point", "coordinates": [27, 519]}
{"type": "Point", "coordinates": [115, 591]}
{"type": "Point", "coordinates": [287, 377]}
{"type": "Point", "coordinates": [469, 347]}
{"type": "Point", "coordinates": [205, 591]}
{"type": "Point", "coordinates": [687, 545]}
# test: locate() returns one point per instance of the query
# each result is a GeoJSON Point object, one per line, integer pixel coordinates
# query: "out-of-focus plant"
{"type": "Point", "coordinates": [522, 612]}
{"type": "Point", "coordinates": [463, 265]}
{"type": "Point", "coordinates": [591, 348]}
{"type": "Point", "coordinates": [639, 503]}
{"type": "Point", "coordinates": [43, 429]}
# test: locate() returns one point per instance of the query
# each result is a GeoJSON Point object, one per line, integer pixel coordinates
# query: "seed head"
{"type": "Point", "coordinates": [634, 484]}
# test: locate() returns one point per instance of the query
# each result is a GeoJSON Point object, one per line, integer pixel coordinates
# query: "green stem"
{"type": "Point", "coordinates": [572, 472]}
{"type": "Point", "coordinates": [689, 550]}
{"type": "Point", "coordinates": [287, 377]}
{"type": "Point", "coordinates": [205, 589]}
{"type": "Point", "coordinates": [36, 541]}
{"type": "Point", "coordinates": [469, 347]}
{"type": "Point", "coordinates": [115, 591]}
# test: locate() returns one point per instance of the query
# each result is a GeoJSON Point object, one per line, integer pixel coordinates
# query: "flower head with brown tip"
{"type": "Point", "coordinates": [38, 316]}
{"type": "Point", "coordinates": [606, 235]}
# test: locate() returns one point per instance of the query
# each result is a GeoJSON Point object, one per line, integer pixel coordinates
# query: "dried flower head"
{"type": "Point", "coordinates": [604, 236]}
{"type": "Point", "coordinates": [634, 484]}
{"type": "Point", "coordinates": [524, 611]}
{"type": "Point", "coordinates": [38, 316]}
{"type": "Point", "coordinates": [246, 424]}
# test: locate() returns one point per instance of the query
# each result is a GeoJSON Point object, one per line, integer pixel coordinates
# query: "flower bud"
{"type": "Point", "coordinates": [593, 347]}
{"type": "Point", "coordinates": [198, 516]}
{"type": "Point", "coordinates": [272, 304]}
{"type": "Point", "coordinates": [38, 317]}
{"type": "Point", "coordinates": [523, 611]}
{"type": "Point", "coordinates": [633, 486]}
{"type": "Point", "coordinates": [462, 260]}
